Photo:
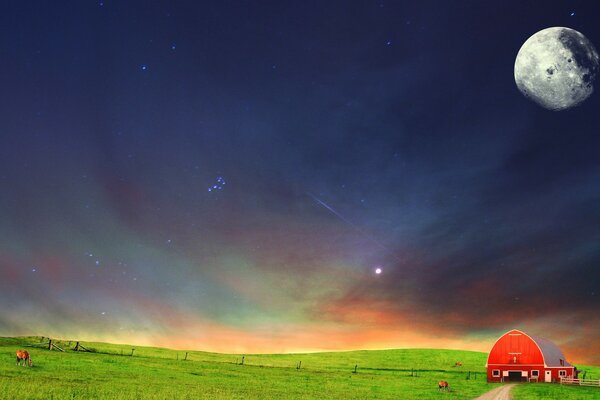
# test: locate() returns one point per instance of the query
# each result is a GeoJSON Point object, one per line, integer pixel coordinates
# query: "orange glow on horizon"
{"type": "Point", "coordinates": [307, 339]}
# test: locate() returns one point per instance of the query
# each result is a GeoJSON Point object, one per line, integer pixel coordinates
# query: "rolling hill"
{"type": "Point", "coordinates": [110, 371]}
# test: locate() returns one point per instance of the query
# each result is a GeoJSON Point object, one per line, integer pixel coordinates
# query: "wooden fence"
{"type": "Point", "coordinates": [580, 382]}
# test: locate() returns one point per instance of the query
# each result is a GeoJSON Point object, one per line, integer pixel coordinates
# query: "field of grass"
{"type": "Point", "coordinates": [155, 373]}
{"type": "Point", "coordinates": [554, 391]}
{"type": "Point", "coordinates": [560, 392]}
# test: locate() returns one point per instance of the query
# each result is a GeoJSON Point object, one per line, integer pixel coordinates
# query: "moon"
{"type": "Point", "coordinates": [556, 68]}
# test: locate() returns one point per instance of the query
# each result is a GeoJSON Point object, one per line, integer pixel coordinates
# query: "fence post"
{"type": "Point", "coordinates": [132, 350]}
{"type": "Point", "coordinates": [355, 369]}
{"type": "Point", "coordinates": [185, 359]}
{"type": "Point", "coordinates": [49, 344]}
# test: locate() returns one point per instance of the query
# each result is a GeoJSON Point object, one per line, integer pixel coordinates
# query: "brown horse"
{"type": "Point", "coordinates": [24, 356]}
{"type": "Point", "coordinates": [443, 385]}
{"type": "Point", "coordinates": [458, 364]}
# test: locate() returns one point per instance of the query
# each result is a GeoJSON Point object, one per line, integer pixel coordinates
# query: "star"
{"type": "Point", "coordinates": [219, 185]}
{"type": "Point", "coordinates": [378, 270]}
{"type": "Point", "coordinates": [144, 67]}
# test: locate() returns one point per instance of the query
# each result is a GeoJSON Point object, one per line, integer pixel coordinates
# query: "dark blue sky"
{"type": "Point", "coordinates": [348, 135]}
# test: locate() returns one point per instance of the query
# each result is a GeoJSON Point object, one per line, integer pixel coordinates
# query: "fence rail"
{"type": "Point", "coordinates": [580, 382]}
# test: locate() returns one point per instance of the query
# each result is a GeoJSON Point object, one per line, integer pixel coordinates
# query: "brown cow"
{"type": "Point", "coordinates": [443, 385]}
{"type": "Point", "coordinates": [24, 356]}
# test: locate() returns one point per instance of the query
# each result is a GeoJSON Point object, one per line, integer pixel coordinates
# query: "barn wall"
{"type": "Point", "coordinates": [515, 367]}
{"type": "Point", "coordinates": [528, 369]}
{"type": "Point", "coordinates": [556, 377]}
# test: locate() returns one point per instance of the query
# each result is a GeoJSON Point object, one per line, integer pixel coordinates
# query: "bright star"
{"type": "Point", "coordinates": [378, 271]}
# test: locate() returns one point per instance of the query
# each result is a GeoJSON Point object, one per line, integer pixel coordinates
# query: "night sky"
{"type": "Point", "coordinates": [229, 176]}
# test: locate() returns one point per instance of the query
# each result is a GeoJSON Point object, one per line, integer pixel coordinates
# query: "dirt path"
{"type": "Point", "coordinates": [500, 393]}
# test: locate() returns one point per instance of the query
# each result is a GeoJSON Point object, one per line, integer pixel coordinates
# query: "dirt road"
{"type": "Point", "coordinates": [500, 393]}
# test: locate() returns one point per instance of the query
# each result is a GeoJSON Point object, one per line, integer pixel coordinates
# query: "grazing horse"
{"type": "Point", "coordinates": [24, 356]}
{"type": "Point", "coordinates": [458, 364]}
{"type": "Point", "coordinates": [443, 385]}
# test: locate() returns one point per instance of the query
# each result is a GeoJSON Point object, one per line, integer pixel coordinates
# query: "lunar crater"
{"type": "Point", "coordinates": [556, 68]}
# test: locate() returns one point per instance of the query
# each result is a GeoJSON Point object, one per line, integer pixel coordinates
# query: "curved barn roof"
{"type": "Point", "coordinates": [552, 354]}
{"type": "Point", "coordinates": [526, 349]}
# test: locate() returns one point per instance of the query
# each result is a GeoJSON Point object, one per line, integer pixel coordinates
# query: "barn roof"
{"type": "Point", "coordinates": [552, 354]}
{"type": "Point", "coordinates": [545, 351]}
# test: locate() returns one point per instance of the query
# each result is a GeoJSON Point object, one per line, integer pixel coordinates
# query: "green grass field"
{"type": "Point", "coordinates": [156, 373]}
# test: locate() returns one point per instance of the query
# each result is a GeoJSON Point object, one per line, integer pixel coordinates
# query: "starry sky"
{"type": "Point", "coordinates": [229, 176]}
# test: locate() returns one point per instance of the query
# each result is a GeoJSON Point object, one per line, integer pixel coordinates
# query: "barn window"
{"type": "Point", "coordinates": [562, 373]}
{"type": "Point", "coordinates": [496, 372]}
{"type": "Point", "coordinates": [535, 373]}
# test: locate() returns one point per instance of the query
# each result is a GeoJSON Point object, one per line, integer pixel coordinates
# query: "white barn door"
{"type": "Point", "coordinates": [548, 376]}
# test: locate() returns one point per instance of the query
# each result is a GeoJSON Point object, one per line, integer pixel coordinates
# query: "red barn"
{"type": "Point", "coordinates": [519, 357]}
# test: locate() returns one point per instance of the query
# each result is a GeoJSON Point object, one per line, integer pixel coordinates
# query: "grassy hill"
{"type": "Point", "coordinates": [110, 372]}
